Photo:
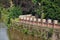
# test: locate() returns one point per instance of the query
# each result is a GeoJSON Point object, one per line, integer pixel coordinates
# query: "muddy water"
{"type": "Point", "coordinates": [17, 35]}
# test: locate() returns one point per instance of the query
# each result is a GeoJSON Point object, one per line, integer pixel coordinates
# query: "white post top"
{"type": "Point", "coordinates": [34, 19]}
{"type": "Point", "coordinates": [29, 15]}
{"type": "Point", "coordinates": [55, 21]}
{"type": "Point", "coordinates": [27, 18]}
{"type": "Point", "coordinates": [43, 20]}
{"type": "Point", "coordinates": [31, 19]}
{"type": "Point", "coordinates": [26, 15]}
{"type": "Point", "coordinates": [24, 18]}
{"type": "Point", "coordinates": [20, 16]}
{"type": "Point", "coordinates": [33, 16]}
{"type": "Point", "coordinates": [39, 20]}
{"type": "Point", "coordinates": [49, 21]}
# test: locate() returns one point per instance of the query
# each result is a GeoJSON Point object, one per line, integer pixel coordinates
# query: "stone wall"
{"type": "Point", "coordinates": [29, 19]}
{"type": "Point", "coordinates": [44, 33]}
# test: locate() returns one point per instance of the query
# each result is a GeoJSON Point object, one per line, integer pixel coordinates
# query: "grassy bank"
{"type": "Point", "coordinates": [18, 35]}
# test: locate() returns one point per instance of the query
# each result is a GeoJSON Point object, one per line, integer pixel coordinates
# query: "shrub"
{"type": "Point", "coordinates": [15, 11]}
{"type": "Point", "coordinates": [50, 33]}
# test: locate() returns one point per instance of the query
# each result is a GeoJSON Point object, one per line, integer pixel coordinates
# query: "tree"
{"type": "Point", "coordinates": [50, 8]}
{"type": "Point", "coordinates": [4, 3]}
{"type": "Point", "coordinates": [11, 3]}
{"type": "Point", "coordinates": [14, 12]}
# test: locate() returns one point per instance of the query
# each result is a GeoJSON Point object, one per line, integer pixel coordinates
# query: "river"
{"type": "Point", "coordinates": [3, 32]}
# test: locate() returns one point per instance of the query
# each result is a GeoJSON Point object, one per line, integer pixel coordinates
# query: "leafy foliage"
{"type": "Point", "coordinates": [51, 8]}
{"type": "Point", "coordinates": [14, 12]}
{"type": "Point", "coordinates": [50, 33]}
{"type": "Point", "coordinates": [4, 14]}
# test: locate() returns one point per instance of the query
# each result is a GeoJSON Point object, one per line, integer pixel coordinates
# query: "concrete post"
{"type": "Point", "coordinates": [31, 20]}
{"type": "Point", "coordinates": [21, 18]}
{"type": "Point", "coordinates": [34, 22]}
{"type": "Point", "coordinates": [49, 22]}
{"type": "Point", "coordinates": [55, 22]}
{"type": "Point", "coordinates": [43, 21]}
{"type": "Point", "coordinates": [39, 22]}
{"type": "Point", "coordinates": [24, 19]}
{"type": "Point", "coordinates": [28, 20]}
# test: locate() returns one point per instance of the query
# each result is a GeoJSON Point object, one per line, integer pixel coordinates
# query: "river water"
{"type": "Point", "coordinates": [3, 32]}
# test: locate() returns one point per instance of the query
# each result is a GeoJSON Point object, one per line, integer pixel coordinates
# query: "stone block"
{"type": "Point", "coordinates": [24, 18]}
{"type": "Point", "coordinates": [55, 21]}
{"type": "Point", "coordinates": [31, 19]}
{"type": "Point", "coordinates": [27, 18]}
{"type": "Point", "coordinates": [34, 19]}
{"type": "Point", "coordinates": [44, 20]}
{"type": "Point", "coordinates": [39, 20]}
{"type": "Point", "coordinates": [49, 21]}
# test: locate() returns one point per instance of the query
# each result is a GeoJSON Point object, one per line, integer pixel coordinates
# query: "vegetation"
{"type": "Point", "coordinates": [10, 13]}
{"type": "Point", "coordinates": [50, 9]}
{"type": "Point", "coordinates": [43, 34]}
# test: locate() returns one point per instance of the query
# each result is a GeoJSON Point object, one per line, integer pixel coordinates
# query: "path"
{"type": "Point", "coordinates": [3, 32]}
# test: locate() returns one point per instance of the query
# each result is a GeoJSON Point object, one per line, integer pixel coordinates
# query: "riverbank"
{"type": "Point", "coordinates": [18, 35]}
{"type": "Point", "coordinates": [20, 31]}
